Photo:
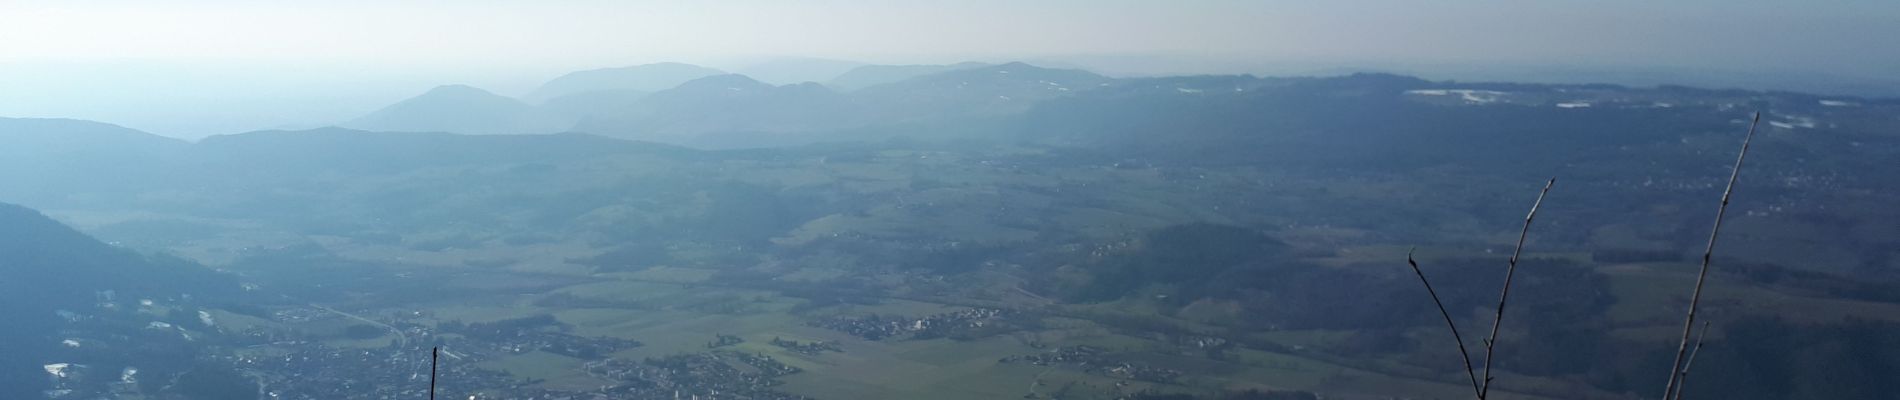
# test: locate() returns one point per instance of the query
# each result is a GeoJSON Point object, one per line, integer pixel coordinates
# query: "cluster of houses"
{"type": "Point", "coordinates": [539, 333]}
{"type": "Point", "coordinates": [807, 348]}
{"type": "Point", "coordinates": [767, 365]}
{"type": "Point", "coordinates": [311, 370]}
{"type": "Point", "coordinates": [305, 369]}
{"type": "Point", "coordinates": [1097, 361]}
{"type": "Point", "coordinates": [880, 327]}
{"type": "Point", "coordinates": [693, 376]}
{"type": "Point", "coordinates": [723, 340]}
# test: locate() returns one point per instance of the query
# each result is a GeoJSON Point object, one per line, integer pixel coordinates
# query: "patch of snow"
{"type": "Point", "coordinates": [145, 302]}
{"type": "Point", "coordinates": [1468, 95]}
{"type": "Point", "coordinates": [1794, 122]}
{"type": "Point", "coordinates": [127, 375]}
{"type": "Point", "coordinates": [158, 325]}
{"type": "Point", "coordinates": [57, 370]}
{"type": "Point", "coordinates": [1186, 90]}
{"type": "Point", "coordinates": [1574, 104]}
{"type": "Point", "coordinates": [69, 343]}
{"type": "Point", "coordinates": [1663, 105]}
{"type": "Point", "coordinates": [1839, 103]}
{"type": "Point", "coordinates": [205, 317]}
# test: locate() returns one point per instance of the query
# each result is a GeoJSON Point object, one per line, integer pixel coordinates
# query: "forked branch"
{"type": "Point", "coordinates": [1672, 390]}
{"type": "Point", "coordinates": [1682, 377]}
{"type": "Point", "coordinates": [1448, 322]}
{"type": "Point", "coordinates": [1504, 295]}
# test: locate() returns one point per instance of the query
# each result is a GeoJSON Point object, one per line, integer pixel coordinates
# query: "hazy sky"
{"type": "Point", "coordinates": [167, 66]}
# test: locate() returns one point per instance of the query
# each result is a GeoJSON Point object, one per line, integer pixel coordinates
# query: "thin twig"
{"type": "Point", "coordinates": [1682, 377]}
{"type": "Point", "coordinates": [1448, 323]}
{"type": "Point", "coordinates": [1504, 294]}
{"type": "Point", "coordinates": [1695, 298]}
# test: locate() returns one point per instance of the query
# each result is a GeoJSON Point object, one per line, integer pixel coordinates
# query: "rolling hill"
{"type": "Point", "coordinates": [873, 75]}
{"type": "Point", "coordinates": [51, 159]}
{"type": "Point", "coordinates": [639, 78]}
{"type": "Point", "coordinates": [64, 293]}
{"type": "Point", "coordinates": [461, 109]}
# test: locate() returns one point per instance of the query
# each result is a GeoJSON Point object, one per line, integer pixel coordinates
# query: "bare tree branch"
{"type": "Point", "coordinates": [1505, 293]}
{"type": "Point", "coordinates": [1448, 322]}
{"type": "Point", "coordinates": [1695, 298]}
{"type": "Point", "coordinates": [1682, 377]}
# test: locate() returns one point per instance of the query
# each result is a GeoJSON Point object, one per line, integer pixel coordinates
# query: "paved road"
{"type": "Point", "coordinates": [403, 338]}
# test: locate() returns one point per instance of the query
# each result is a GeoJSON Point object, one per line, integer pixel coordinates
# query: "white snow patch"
{"type": "Point", "coordinates": [1839, 103]}
{"type": "Point", "coordinates": [69, 343]}
{"type": "Point", "coordinates": [205, 317]}
{"type": "Point", "coordinates": [1468, 95]}
{"type": "Point", "coordinates": [145, 302]}
{"type": "Point", "coordinates": [1574, 104]}
{"type": "Point", "coordinates": [128, 375]}
{"type": "Point", "coordinates": [1794, 122]}
{"type": "Point", "coordinates": [57, 370]}
{"type": "Point", "coordinates": [1186, 90]}
{"type": "Point", "coordinates": [158, 325]}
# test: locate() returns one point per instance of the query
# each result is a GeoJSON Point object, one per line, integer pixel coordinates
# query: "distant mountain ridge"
{"type": "Point", "coordinates": [987, 91]}
{"type": "Point", "coordinates": [67, 131]}
{"type": "Point", "coordinates": [873, 75]}
{"type": "Point", "coordinates": [640, 78]}
{"type": "Point", "coordinates": [796, 70]}
{"type": "Point", "coordinates": [723, 104]}
{"type": "Point", "coordinates": [461, 109]}
{"type": "Point", "coordinates": [732, 110]}
{"type": "Point", "coordinates": [111, 155]}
